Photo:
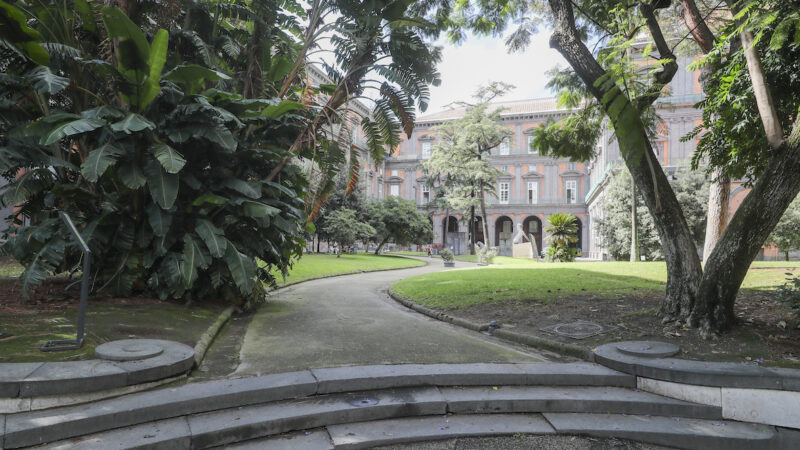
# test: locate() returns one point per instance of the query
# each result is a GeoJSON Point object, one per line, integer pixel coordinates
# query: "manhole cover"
{"type": "Point", "coordinates": [577, 330]}
{"type": "Point", "coordinates": [363, 401]}
{"type": "Point", "coordinates": [128, 350]}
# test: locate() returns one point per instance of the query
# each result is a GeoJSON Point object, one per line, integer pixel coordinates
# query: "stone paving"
{"type": "Point", "coordinates": [350, 320]}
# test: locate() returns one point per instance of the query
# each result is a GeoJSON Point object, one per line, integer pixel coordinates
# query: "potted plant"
{"type": "Point", "coordinates": [447, 257]}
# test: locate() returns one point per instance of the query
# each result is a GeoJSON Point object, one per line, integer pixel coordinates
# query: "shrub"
{"type": "Point", "coordinates": [563, 232]}
{"type": "Point", "coordinates": [447, 255]}
{"type": "Point", "coordinates": [789, 293]}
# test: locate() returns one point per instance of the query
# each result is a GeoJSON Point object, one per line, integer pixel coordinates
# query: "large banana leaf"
{"type": "Point", "coordinates": [163, 186]}
{"type": "Point", "coordinates": [242, 267]}
{"type": "Point", "coordinates": [99, 160]}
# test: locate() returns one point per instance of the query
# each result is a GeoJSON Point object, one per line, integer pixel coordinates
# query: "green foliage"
{"type": "Point", "coordinates": [786, 235]}
{"type": "Point", "coordinates": [459, 166]}
{"type": "Point", "coordinates": [397, 220]}
{"type": "Point", "coordinates": [344, 228]}
{"type": "Point", "coordinates": [732, 135]}
{"type": "Point", "coordinates": [789, 293]}
{"type": "Point", "coordinates": [447, 255]}
{"type": "Point", "coordinates": [562, 231]}
{"type": "Point", "coordinates": [614, 228]}
{"type": "Point", "coordinates": [165, 181]}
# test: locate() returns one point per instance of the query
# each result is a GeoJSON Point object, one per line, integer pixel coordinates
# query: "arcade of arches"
{"type": "Point", "coordinates": [501, 230]}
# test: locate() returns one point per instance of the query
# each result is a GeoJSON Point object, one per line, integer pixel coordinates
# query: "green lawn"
{"type": "Point", "coordinates": [408, 253]}
{"type": "Point", "coordinates": [318, 265]}
{"type": "Point", "coordinates": [528, 280]}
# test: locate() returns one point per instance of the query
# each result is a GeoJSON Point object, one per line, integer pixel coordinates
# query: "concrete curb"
{"type": "Point", "coordinates": [519, 338]}
{"type": "Point", "coordinates": [334, 275]}
{"type": "Point", "coordinates": [208, 336]}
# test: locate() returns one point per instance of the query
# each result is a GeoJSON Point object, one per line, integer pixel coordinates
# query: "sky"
{"type": "Point", "coordinates": [482, 59]}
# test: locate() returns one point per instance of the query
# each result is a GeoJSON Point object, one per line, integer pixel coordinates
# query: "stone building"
{"type": "Point", "coordinates": [534, 186]}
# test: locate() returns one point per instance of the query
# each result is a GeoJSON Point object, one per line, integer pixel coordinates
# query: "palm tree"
{"type": "Point", "coordinates": [562, 231]}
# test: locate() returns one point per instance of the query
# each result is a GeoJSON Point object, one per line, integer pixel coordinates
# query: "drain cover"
{"type": "Point", "coordinates": [363, 401]}
{"type": "Point", "coordinates": [577, 330]}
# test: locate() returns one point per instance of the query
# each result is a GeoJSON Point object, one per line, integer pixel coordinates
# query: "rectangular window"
{"type": "Point", "coordinates": [394, 172]}
{"type": "Point", "coordinates": [572, 191]}
{"type": "Point", "coordinates": [504, 168]}
{"type": "Point", "coordinates": [571, 166]}
{"type": "Point", "coordinates": [426, 149]}
{"type": "Point", "coordinates": [394, 190]}
{"type": "Point", "coordinates": [505, 147]}
{"type": "Point", "coordinates": [426, 194]}
{"type": "Point", "coordinates": [503, 192]}
{"type": "Point", "coordinates": [531, 149]}
{"type": "Point", "coordinates": [533, 192]}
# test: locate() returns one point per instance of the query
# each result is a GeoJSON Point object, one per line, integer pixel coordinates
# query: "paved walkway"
{"type": "Point", "coordinates": [350, 320]}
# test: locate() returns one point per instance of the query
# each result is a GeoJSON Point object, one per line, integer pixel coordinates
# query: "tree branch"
{"type": "Point", "coordinates": [764, 100]}
{"type": "Point", "coordinates": [664, 76]}
{"type": "Point", "coordinates": [697, 25]}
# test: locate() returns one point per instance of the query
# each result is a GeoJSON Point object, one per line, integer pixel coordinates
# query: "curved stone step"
{"type": "Point", "coordinates": [129, 410]}
{"type": "Point", "coordinates": [418, 429]}
{"type": "Point", "coordinates": [670, 431]}
{"type": "Point", "coordinates": [520, 399]}
{"type": "Point", "coordinates": [234, 425]}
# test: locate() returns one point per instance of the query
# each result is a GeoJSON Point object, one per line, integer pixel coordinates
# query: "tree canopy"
{"type": "Point", "coordinates": [168, 131]}
{"type": "Point", "coordinates": [397, 220]}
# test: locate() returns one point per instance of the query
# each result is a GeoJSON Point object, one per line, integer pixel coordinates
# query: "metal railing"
{"type": "Point", "coordinates": [72, 344]}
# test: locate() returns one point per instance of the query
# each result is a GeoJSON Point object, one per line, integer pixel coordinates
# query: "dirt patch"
{"type": "Point", "coordinates": [759, 337]}
{"type": "Point", "coordinates": [50, 312]}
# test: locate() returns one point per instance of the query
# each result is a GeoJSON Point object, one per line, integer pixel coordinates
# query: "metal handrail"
{"type": "Point", "coordinates": [72, 344]}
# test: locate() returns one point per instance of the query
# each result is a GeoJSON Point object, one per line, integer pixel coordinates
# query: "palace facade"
{"type": "Point", "coordinates": [533, 186]}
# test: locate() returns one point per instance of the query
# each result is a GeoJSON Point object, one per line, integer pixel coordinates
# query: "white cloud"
{"type": "Point", "coordinates": [482, 59]}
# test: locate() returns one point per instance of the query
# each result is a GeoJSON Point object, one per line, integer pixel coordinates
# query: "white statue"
{"type": "Point", "coordinates": [520, 237]}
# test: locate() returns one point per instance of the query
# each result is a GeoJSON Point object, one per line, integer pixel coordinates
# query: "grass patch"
{"type": "Point", "coordinates": [529, 280]}
{"type": "Point", "coordinates": [10, 270]}
{"type": "Point", "coordinates": [104, 323]}
{"type": "Point", "coordinates": [405, 253]}
{"type": "Point", "coordinates": [318, 265]}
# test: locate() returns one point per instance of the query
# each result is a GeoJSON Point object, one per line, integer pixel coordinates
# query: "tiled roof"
{"type": "Point", "coordinates": [508, 108]}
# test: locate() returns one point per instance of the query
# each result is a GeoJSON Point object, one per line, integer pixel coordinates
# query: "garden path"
{"type": "Point", "coordinates": [350, 320]}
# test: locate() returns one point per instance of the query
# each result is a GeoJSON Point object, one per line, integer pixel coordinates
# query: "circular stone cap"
{"type": "Point", "coordinates": [128, 349]}
{"type": "Point", "coordinates": [648, 349]}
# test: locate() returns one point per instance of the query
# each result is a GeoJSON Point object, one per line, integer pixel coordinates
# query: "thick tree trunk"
{"type": "Point", "coordinates": [634, 225]}
{"type": "Point", "coordinates": [380, 246]}
{"type": "Point", "coordinates": [719, 194]}
{"type": "Point", "coordinates": [683, 264]}
{"type": "Point", "coordinates": [749, 228]}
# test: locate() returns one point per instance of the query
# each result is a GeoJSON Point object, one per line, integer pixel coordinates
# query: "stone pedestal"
{"type": "Point", "coordinates": [522, 250]}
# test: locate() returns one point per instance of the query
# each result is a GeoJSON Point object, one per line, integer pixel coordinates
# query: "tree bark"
{"type": "Point", "coordinates": [446, 226]}
{"type": "Point", "coordinates": [749, 228]}
{"type": "Point", "coordinates": [485, 221]}
{"type": "Point", "coordinates": [472, 226]}
{"type": "Point", "coordinates": [684, 271]}
{"type": "Point", "coordinates": [634, 225]}
{"type": "Point", "coordinates": [380, 246]}
{"type": "Point", "coordinates": [717, 216]}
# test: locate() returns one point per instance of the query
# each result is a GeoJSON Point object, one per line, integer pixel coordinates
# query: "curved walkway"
{"type": "Point", "coordinates": [350, 320]}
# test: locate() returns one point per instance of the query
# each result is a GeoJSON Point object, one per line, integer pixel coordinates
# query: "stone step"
{"type": "Point", "coordinates": [234, 425]}
{"type": "Point", "coordinates": [418, 429]}
{"type": "Point", "coordinates": [36, 427]}
{"type": "Point", "coordinates": [524, 399]}
{"type": "Point", "coordinates": [669, 431]}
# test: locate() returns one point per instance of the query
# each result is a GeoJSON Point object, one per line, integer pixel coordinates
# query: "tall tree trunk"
{"type": "Point", "coordinates": [485, 221]}
{"type": "Point", "coordinates": [446, 226]}
{"type": "Point", "coordinates": [634, 225]}
{"type": "Point", "coordinates": [749, 228]}
{"type": "Point", "coordinates": [719, 194]}
{"type": "Point", "coordinates": [380, 246]}
{"type": "Point", "coordinates": [683, 264]}
{"type": "Point", "coordinates": [472, 226]}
